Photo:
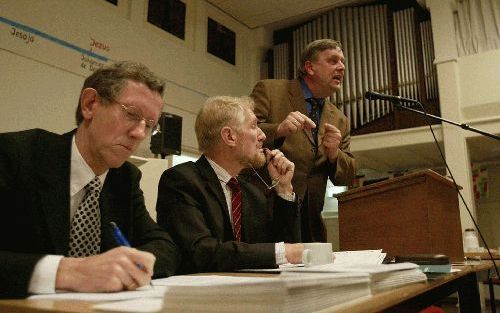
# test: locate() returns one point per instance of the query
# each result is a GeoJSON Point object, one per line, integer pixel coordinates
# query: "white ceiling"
{"type": "Point", "coordinates": [257, 13]}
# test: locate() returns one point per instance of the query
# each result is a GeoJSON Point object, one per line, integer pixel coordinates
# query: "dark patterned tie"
{"type": "Point", "coordinates": [235, 207]}
{"type": "Point", "coordinates": [314, 116]}
{"type": "Point", "coordinates": [85, 233]}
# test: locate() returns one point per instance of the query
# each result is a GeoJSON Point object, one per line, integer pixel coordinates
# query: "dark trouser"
{"type": "Point", "coordinates": [313, 227]}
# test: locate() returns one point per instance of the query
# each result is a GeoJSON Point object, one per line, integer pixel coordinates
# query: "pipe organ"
{"type": "Point", "coordinates": [364, 34]}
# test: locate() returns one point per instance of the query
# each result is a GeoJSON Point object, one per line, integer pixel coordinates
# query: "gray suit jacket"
{"type": "Point", "coordinates": [35, 221]}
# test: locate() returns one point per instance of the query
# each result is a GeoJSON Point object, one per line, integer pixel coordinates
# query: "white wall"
{"type": "Point", "coordinates": [480, 85]}
{"type": "Point", "coordinates": [488, 208]}
{"type": "Point", "coordinates": [41, 79]}
{"type": "Point", "coordinates": [151, 170]}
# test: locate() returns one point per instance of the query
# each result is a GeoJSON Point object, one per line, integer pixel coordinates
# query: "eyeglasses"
{"type": "Point", "coordinates": [274, 182]}
{"type": "Point", "coordinates": [133, 114]}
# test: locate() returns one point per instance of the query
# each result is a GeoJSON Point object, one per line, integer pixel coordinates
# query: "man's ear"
{"type": "Point", "coordinates": [228, 136]}
{"type": "Point", "coordinates": [88, 101]}
{"type": "Point", "coordinates": [308, 66]}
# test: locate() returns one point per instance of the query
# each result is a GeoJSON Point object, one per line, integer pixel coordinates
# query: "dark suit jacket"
{"type": "Point", "coordinates": [35, 200]}
{"type": "Point", "coordinates": [274, 100]}
{"type": "Point", "coordinates": [192, 206]}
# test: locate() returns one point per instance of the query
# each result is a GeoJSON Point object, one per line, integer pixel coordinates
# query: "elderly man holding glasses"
{"type": "Point", "coordinates": [219, 220]}
{"type": "Point", "coordinates": [60, 193]}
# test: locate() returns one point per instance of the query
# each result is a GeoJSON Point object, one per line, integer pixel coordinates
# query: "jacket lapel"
{"type": "Point", "coordinates": [327, 114]}
{"type": "Point", "coordinates": [108, 198]}
{"type": "Point", "coordinates": [298, 104]}
{"type": "Point", "coordinates": [212, 183]}
{"type": "Point", "coordinates": [296, 97]}
{"type": "Point", "coordinates": [53, 186]}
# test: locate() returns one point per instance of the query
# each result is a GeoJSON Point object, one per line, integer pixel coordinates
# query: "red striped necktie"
{"type": "Point", "coordinates": [235, 206]}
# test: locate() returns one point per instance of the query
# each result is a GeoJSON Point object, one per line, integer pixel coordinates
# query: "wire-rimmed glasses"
{"type": "Point", "coordinates": [134, 115]}
{"type": "Point", "coordinates": [274, 182]}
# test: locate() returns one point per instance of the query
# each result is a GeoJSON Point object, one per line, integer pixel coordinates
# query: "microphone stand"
{"type": "Point", "coordinates": [397, 103]}
{"type": "Point", "coordinates": [463, 125]}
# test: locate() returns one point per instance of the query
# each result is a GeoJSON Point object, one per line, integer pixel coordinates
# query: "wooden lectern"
{"type": "Point", "coordinates": [411, 214]}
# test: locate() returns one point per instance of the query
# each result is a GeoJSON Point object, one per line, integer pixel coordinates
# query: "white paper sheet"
{"type": "Point", "coordinates": [154, 292]}
{"type": "Point", "coordinates": [141, 305]}
{"type": "Point", "coordinates": [209, 280]}
{"type": "Point", "coordinates": [359, 257]}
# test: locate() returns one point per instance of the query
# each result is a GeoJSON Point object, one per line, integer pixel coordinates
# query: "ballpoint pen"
{"type": "Point", "coordinates": [121, 240]}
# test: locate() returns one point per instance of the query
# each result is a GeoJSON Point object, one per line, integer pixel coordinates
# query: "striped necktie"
{"type": "Point", "coordinates": [235, 206]}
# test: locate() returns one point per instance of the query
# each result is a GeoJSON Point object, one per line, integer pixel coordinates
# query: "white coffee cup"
{"type": "Point", "coordinates": [317, 253]}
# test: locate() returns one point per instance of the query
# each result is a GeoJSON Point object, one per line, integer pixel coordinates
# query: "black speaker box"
{"type": "Point", "coordinates": [168, 141]}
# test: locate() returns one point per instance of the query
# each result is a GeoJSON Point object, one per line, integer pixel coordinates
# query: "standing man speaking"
{"type": "Point", "coordinates": [298, 119]}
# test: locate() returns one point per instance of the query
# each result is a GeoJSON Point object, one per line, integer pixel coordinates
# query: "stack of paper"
{"type": "Point", "coordinates": [382, 276]}
{"type": "Point", "coordinates": [146, 300]}
{"type": "Point", "coordinates": [140, 305]}
{"type": "Point", "coordinates": [283, 293]}
{"type": "Point", "coordinates": [359, 257]}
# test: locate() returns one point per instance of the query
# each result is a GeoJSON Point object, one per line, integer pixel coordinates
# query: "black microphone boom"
{"type": "Point", "coordinates": [371, 95]}
{"type": "Point", "coordinates": [397, 100]}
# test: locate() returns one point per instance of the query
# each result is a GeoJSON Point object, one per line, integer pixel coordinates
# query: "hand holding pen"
{"type": "Point", "coordinates": [122, 241]}
{"type": "Point", "coordinates": [113, 270]}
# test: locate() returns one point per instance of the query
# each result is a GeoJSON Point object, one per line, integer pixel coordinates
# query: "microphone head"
{"type": "Point", "coordinates": [370, 94]}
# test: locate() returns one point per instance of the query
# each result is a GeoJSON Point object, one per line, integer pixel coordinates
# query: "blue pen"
{"type": "Point", "coordinates": [121, 240]}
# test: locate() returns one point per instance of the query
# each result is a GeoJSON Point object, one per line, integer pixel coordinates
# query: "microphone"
{"type": "Point", "coordinates": [371, 95]}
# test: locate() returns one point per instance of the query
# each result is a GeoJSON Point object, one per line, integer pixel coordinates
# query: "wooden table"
{"type": "Point", "coordinates": [495, 253]}
{"type": "Point", "coordinates": [411, 298]}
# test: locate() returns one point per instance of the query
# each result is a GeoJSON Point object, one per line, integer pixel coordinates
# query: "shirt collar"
{"type": "Point", "coordinates": [308, 94]}
{"type": "Point", "coordinates": [81, 173]}
{"type": "Point", "coordinates": [305, 89]}
{"type": "Point", "coordinates": [221, 173]}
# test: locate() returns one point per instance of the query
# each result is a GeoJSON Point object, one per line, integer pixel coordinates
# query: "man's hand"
{"type": "Point", "coordinates": [331, 141]}
{"type": "Point", "coordinates": [121, 268]}
{"type": "Point", "coordinates": [293, 252]}
{"type": "Point", "coordinates": [280, 168]}
{"type": "Point", "coordinates": [294, 122]}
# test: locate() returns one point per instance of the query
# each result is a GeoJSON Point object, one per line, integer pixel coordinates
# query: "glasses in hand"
{"type": "Point", "coordinates": [274, 182]}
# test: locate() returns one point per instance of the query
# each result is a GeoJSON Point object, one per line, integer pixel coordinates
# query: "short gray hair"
{"type": "Point", "coordinates": [312, 50]}
{"type": "Point", "coordinates": [110, 80]}
{"type": "Point", "coordinates": [216, 113]}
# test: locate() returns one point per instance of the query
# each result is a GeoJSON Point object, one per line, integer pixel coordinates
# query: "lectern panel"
{"type": "Point", "coordinates": [415, 213]}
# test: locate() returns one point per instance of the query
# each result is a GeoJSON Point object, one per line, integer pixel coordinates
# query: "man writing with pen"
{"type": "Point", "coordinates": [59, 194]}
{"type": "Point", "coordinates": [219, 219]}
